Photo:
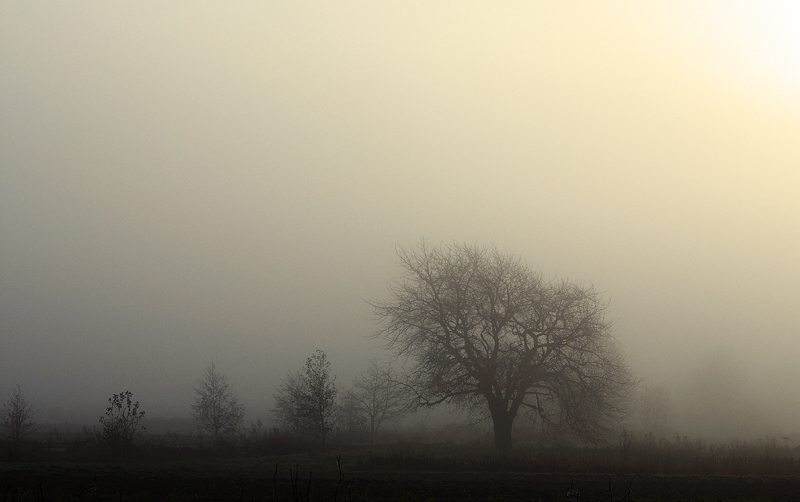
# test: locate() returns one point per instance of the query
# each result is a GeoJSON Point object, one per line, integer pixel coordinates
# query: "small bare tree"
{"type": "Point", "coordinates": [15, 420]}
{"type": "Point", "coordinates": [287, 402]}
{"type": "Point", "coordinates": [306, 401]}
{"type": "Point", "coordinates": [351, 421]}
{"type": "Point", "coordinates": [381, 396]}
{"type": "Point", "coordinates": [121, 421]}
{"type": "Point", "coordinates": [217, 407]}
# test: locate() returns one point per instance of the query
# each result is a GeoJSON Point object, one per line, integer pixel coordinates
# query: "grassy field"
{"type": "Point", "coordinates": [171, 468]}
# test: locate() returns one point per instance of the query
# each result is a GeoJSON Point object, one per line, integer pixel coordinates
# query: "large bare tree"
{"type": "Point", "coordinates": [481, 330]}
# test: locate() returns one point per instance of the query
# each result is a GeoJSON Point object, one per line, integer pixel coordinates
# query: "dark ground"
{"type": "Point", "coordinates": [215, 481]}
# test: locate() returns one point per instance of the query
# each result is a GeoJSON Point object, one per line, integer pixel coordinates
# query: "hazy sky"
{"type": "Point", "coordinates": [188, 182]}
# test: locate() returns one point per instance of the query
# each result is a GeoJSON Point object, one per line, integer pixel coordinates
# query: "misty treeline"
{"type": "Point", "coordinates": [309, 402]}
{"type": "Point", "coordinates": [517, 357]}
{"type": "Point", "coordinates": [310, 411]}
{"type": "Point", "coordinates": [481, 331]}
{"type": "Point", "coordinates": [473, 328]}
{"type": "Point", "coordinates": [346, 413]}
{"type": "Point", "coordinates": [310, 408]}
{"type": "Point", "coordinates": [119, 425]}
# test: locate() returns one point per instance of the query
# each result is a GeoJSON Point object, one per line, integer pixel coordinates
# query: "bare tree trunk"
{"type": "Point", "coordinates": [502, 432]}
{"type": "Point", "coordinates": [502, 419]}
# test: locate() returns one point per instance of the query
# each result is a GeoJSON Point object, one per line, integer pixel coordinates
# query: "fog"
{"type": "Point", "coordinates": [192, 182]}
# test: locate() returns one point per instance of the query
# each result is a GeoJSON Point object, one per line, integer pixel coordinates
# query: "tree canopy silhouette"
{"type": "Point", "coordinates": [481, 330]}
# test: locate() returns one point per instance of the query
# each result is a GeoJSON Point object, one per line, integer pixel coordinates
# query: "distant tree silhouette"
{"type": "Point", "coordinates": [351, 422]}
{"type": "Point", "coordinates": [380, 395]}
{"type": "Point", "coordinates": [306, 400]}
{"type": "Point", "coordinates": [216, 406]}
{"type": "Point", "coordinates": [653, 409]}
{"type": "Point", "coordinates": [287, 410]}
{"type": "Point", "coordinates": [121, 422]}
{"type": "Point", "coordinates": [15, 420]}
{"type": "Point", "coordinates": [482, 331]}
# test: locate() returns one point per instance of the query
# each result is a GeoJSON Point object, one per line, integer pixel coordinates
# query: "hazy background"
{"type": "Point", "coordinates": [188, 182]}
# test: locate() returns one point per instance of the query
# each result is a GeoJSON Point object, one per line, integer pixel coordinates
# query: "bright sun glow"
{"type": "Point", "coordinates": [757, 43]}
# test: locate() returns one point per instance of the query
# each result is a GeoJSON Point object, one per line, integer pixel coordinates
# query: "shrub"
{"type": "Point", "coordinates": [121, 422]}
